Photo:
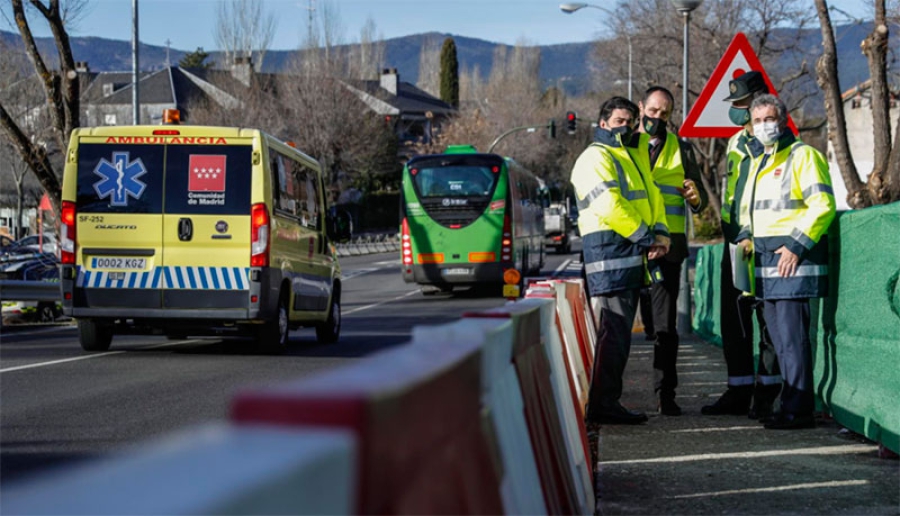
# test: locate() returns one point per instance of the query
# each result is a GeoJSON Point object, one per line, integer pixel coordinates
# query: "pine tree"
{"type": "Point", "coordinates": [449, 73]}
{"type": "Point", "coordinates": [196, 59]}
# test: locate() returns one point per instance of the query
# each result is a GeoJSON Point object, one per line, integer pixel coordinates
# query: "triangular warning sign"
{"type": "Point", "coordinates": [708, 117]}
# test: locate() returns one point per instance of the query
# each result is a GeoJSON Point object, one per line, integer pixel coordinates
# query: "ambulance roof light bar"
{"type": "Point", "coordinates": [171, 117]}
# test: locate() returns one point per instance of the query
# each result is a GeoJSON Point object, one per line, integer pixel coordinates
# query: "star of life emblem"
{"type": "Point", "coordinates": [120, 179]}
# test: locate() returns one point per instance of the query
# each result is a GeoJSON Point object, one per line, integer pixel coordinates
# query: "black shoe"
{"type": "Point", "coordinates": [791, 422]}
{"type": "Point", "coordinates": [617, 416]}
{"type": "Point", "coordinates": [734, 402]}
{"type": "Point", "coordinates": [764, 397]}
{"type": "Point", "coordinates": [761, 411]}
{"type": "Point", "coordinates": [668, 407]}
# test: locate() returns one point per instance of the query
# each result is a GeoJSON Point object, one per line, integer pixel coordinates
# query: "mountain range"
{"type": "Point", "coordinates": [563, 64]}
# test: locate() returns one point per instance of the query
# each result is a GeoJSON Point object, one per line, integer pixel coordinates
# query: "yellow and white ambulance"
{"type": "Point", "coordinates": [192, 230]}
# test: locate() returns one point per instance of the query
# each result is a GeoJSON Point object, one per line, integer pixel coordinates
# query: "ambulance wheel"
{"type": "Point", "coordinates": [329, 331]}
{"type": "Point", "coordinates": [273, 335]}
{"type": "Point", "coordinates": [94, 336]}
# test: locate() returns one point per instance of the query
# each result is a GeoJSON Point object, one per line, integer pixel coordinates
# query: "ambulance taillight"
{"type": "Point", "coordinates": [67, 234]}
{"type": "Point", "coordinates": [259, 236]}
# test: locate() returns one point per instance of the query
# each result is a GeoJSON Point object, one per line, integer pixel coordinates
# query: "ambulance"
{"type": "Point", "coordinates": [191, 230]}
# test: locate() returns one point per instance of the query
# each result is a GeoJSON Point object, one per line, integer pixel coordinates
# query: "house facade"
{"type": "Point", "coordinates": [857, 104]}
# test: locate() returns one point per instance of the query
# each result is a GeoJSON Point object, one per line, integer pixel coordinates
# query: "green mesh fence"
{"type": "Point", "coordinates": [856, 338]}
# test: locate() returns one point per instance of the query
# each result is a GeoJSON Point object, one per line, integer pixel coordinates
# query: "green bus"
{"type": "Point", "coordinates": [466, 218]}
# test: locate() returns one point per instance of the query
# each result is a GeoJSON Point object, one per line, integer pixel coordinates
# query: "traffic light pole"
{"type": "Point", "coordinates": [530, 128]}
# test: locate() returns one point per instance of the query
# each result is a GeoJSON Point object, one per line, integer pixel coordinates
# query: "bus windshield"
{"type": "Point", "coordinates": [455, 176]}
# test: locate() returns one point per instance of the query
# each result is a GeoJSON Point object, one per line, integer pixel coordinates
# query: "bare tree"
{"type": "Point", "coordinates": [430, 65]}
{"type": "Point", "coordinates": [883, 184]}
{"type": "Point", "coordinates": [512, 97]}
{"type": "Point", "coordinates": [60, 88]}
{"type": "Point", "coordinates": [243, 29]}
{"type": "Point", "coordinates": [371, 51]}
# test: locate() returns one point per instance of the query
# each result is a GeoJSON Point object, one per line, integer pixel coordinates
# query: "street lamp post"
{"type": "Point", "coordinates": [135, 66]}
{"type": "Point", "coordinates": [684, 292]}
{"type": "Point", "coordinates": [570, 8]}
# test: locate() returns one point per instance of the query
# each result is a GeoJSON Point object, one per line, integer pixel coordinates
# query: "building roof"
{"type": "Point", "coordinates": [182, 87]}
{"type": "Point", "coordinates": [862, 89]}
{"type": "Point", "coordinates": [408, 99]}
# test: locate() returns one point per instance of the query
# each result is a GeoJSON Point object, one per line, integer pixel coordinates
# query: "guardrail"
{"type": "Point", "coordinates": [23, 290]}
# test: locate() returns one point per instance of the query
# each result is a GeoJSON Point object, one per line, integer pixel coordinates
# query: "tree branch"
{"type": "Point", "coordinates": [34, 155]}
{"type": "Point", "coordinates": [827, 77]}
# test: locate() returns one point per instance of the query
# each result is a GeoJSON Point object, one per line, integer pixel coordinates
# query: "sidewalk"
{"type": "Point", "coordinates": [695, 464]}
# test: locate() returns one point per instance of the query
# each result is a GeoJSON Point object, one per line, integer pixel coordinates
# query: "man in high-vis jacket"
{"type": "Point", "coordinates": [674, 170]}
{"type": "Point", "coordinates": [736, 307]}
{"type": "Point", "coordinates": [622, 223]}
{"type": "Point", "coordinates": [789, 203]}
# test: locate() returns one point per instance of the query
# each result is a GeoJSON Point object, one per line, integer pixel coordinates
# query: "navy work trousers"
{"type": "Point", "coordinates": [737, 335]}
{"type": "Point", "coordinates": [789, 326]}
{"type": "Point", "coordinates": [664, 296]}
{"type": "Point", "coordinates": [617, 312]}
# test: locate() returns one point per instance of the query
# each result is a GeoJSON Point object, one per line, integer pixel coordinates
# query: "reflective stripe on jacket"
{"type": "Point", "coordinates": [620, 212]}
{"type": "Point", "coordinates": [668, 173]}
{"type": "Point", "coordinates": [790, 203]}
{"type": "Point", "coordinates": [737, 170]}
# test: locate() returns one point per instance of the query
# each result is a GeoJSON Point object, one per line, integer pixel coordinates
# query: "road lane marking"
{"type": "Point", "coordinates": [819, 450]}
{"type": "Point", "coordinates": [39, 331]}
{"type": "Point", "coordinates": [373, 305]}
{"type": "Point", "coordinates": [94, 355]}
{"type": "Point", "coordinates": [562, 267]}
{"type": "Point", "coordinates": [720, 429]}
{"type": "Point", "coordinates": [359, 272]}
{"type": "Point", "coordinates": [809, 485]}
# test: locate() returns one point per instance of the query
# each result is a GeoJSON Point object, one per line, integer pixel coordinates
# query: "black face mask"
{"type": "Point", "coordinates": [655, 127]}
{"type": "Point", "coordinates": [624, 131]}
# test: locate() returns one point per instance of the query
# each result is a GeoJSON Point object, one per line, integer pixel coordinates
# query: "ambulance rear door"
{"type": "Point", "coordinates": [119, 205]}
{"type": "Point", "coordinates": [206, 225]}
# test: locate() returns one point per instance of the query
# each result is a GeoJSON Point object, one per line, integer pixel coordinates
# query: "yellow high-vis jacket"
{"type": "Point", "coordinates": [737, 170]}
{"type": "Point", "coordinates": [675, 163]}
{"type": "Point", "coordinates": [620, 212]}
{"type": "Point", "coordinates": [788, 201]}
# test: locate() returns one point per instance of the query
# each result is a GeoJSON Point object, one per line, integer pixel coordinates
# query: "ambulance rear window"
{"type": "Point", "coordinates": [208, 179]}
{"type": "Point", "coordinates": [120, 178]}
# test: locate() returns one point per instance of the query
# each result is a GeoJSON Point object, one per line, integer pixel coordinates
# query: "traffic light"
{"type": "Point", "coordinates": [571, 119]}
{"type": "Point", "coordinates": [552, 128]}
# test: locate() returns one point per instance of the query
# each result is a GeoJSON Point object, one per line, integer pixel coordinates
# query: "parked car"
{"type": "Point", "coordinates": [34, 242]}
{"type": "Point", "coordinates": [7, 244]}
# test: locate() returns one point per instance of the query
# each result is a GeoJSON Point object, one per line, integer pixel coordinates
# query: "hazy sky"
{"type": "Point", "coordinates": [189, 24]}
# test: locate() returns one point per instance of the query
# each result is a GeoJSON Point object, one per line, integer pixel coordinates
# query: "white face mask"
{"type": "Point", "coordinates": [766, 132]}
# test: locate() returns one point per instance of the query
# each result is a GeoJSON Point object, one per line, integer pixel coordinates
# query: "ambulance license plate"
{"type": "Point", "coordinates": [119, 263]}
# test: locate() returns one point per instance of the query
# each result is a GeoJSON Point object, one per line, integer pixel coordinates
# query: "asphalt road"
{"type": "Point", "coordinates": [61, 405]}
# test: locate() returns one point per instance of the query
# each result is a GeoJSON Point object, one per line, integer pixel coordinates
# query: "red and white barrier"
{"type": "Point", "coordinates": [416, 412]}
{"type": "Point", "coordinates": [215, 469]}
{"type": "Point", "coordinates": [502, 400]}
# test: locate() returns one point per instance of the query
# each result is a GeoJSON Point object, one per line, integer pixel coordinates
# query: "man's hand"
{"type": "Point", "coordinates": [746, 246]}
{"type": "Point", "coordinates": [656, 251]}
{"type": "Point", "coordinates": [787, 264]}
{"type": "Point", "coordinates": [659, 248]}
{"type": "Point", "coordinates": [690, 192]}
